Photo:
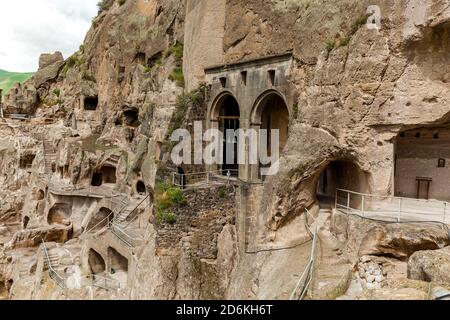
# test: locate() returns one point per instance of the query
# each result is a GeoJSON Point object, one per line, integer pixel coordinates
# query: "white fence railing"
{"type": "Point", "coordinates": [53, 274]}
{"type": "Point", "coordinates": [392, 208]}
{"type": "Point", "coordinates": [304, 283]}
{"type": "Point", "coordinates": [207, 178]}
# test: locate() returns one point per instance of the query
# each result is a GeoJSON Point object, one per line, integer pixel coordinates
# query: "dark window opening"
{"type": "Point", "coordinates": [26, 161]}
{"type": "Point", "coordinates": [90, 103]}
{"type": "Point", "coordinates": [402, 135]}
{"type": "Point", "coordinates": [140, 187]}
{"type": "Point", "coordinates": [436, 136]}
{"type": "Point", "coordinates": [229, 122]}
{"type": "Point", "coordinates": [244, 78]}
{"type": "Point", "coordinates": [41, 195]}
{"type": "Point", "coordinates": [26, 220]}
{"type": "Point", "coordinates": [97, 179]}
{"type": "Point", "coordinates": [271, 77]}
{"type": "Point", "coordinates": [441, 163]}
{"type": "Point", "coordinates": [131, 117]}
{"type": "Point", "coordinates": [223, 82]}
{"type": "Point", "coordinates": [140, 58]}
{"type": "Point", "coordinates": [417, 135]}
{"type": "Point", "coordinates": [159, 11]}
{"type": "Point", "coordinates": [155, 60]}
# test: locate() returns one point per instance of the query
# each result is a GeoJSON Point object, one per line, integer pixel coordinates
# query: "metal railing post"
{"type": "Point", "coordinates": [445, 212]}
{"type": "Point", "coordinates": [363, 204]}
{"type": "Point", "coordinates": [207, 178]}
{"type": "Point", "coordinates": [400, 210]}
{"type": "Point", "coordinates": [348, 202]}
{"type": "Point", "coordinates": [173, 178]}
{"type": "Point", "coordinates": [336, 199]}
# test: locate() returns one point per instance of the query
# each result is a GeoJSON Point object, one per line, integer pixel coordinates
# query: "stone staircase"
{"type": "Point", "coordinates": [123, 215]}
{"type": "Point", "coordinates": [49, 155]}
{"type": "Point", "coordinates": [332, 272]}
{"type": "Point", "coordinates": [52, 265]}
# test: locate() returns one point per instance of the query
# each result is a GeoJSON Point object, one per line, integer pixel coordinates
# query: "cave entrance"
{"type": "Point", "coordinates": [40, 195]}
{"type": "Point", "coordinates": [106, 175]}
{"type": "Point", "coordinates": [26, 161]}
{"type": "Point", "coordinates": [131, 117]}
{"type": "Point", "coordinates": [97, 179]}
{"type": "Point", "coordinates": [96, 262]}
{"type": "Point", "coordinates": [59, 214]}
{"type": "Point", "coordinates": [26, 220]}
{"type": "Point", "coordinates": [343, 175]}
{"type": "Point", "coordinates": [118, 265]}
{"type": "Point", "coordinates": [422, 163]}
{"type": "Point", "coordinates": [140, 187]}
{"type": "Point", "coordinates": [109, 174]}
{"type": "Point", "coordinates": [90, 103]}
{"type": "Point", "coordinates": [100, 220]}
{"type": "Point", "coordinates": [229, 121]}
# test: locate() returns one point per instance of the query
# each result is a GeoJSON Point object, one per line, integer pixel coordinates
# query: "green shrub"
{"type": "Point", "coordinates": [329, 45]}
{"type": "Point", "coordinates": [177, 76]}
{"type": "Point", "coordinates": [177, 51]}
{"type": "Point", "coordinates": [169, 197]}
{"type": "Point", "coordinates": [166, 217]}
{"type": "Point", "coordinates": [57, 92]}
{"type": "Point", "coordinates": [121, 2]}
{"type": "Point", "coordinates": [222, 192]}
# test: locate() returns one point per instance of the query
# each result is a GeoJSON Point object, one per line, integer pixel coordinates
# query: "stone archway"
{"type": "Point", "coordinates": [270, 113]}
{"type": "Point", "coordinates": [339, 174]}
{"type": "Point", "coordinates": [100, 219]}
{"type": "Point", "coordinates": [226, 114]}
{"type": "Point", "coordinates": [96, 262]}
{"type": "Point", "coordinates": [59, 214]}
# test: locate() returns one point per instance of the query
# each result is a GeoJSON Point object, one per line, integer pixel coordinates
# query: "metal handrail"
{"type": "Point", "coordinates": [308, 274]}
{"type": "Point", "coordinates": [373, 204]}
{"type": "Point", "coordinates": [106, 219]}
{"type": "Point", "coordinates": [134, 208]}
{"type": "Point", "coordinates": [208, 176]}
{"type": "Point", "coordinates": [54, 275]}
{"type": "Point", "coordinates": [123, 236]}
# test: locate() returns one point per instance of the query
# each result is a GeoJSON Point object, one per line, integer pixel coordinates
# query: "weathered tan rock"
{"type": "Point", "coordinates": [430, 266]}
{"type": "Point", "coordinates": [49, 67]}
{"type": "Point", "coordinates": [401, 241]}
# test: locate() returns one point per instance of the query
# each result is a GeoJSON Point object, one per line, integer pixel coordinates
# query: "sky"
{"type": "Point", "coordinates": [31, 27]}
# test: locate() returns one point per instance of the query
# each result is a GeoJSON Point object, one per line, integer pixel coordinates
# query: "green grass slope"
{"type": "Point", "coordinates": [8, 79]}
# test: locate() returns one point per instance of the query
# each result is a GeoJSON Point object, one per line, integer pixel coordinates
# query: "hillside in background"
{"type": "Point", "coordinates": [7, 79]}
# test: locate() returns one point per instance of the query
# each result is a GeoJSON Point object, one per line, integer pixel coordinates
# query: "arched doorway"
{"type": "Point", "coordinates": [119, 265]}
{"type": "Point", "coordinates": [97, 179]}
{"type": "Point", "coordinates": [269, 114]}
{"type": "Point", "coordinates": [59, 214]}
{"type": "Point", "coordinates": [99, 220]}
{"type": "Point", "coordinates": [140, 188]}
{"type": "Point", "coordinates": [339, 175]}
{"type": "Point", "coordinates": [96, 262]}
{"type": "Point", "coordinates": [228, 116]}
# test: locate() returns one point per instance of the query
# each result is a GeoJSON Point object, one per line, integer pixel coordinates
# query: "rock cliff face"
{"type": "Point", "coordinates": [87, 201]}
